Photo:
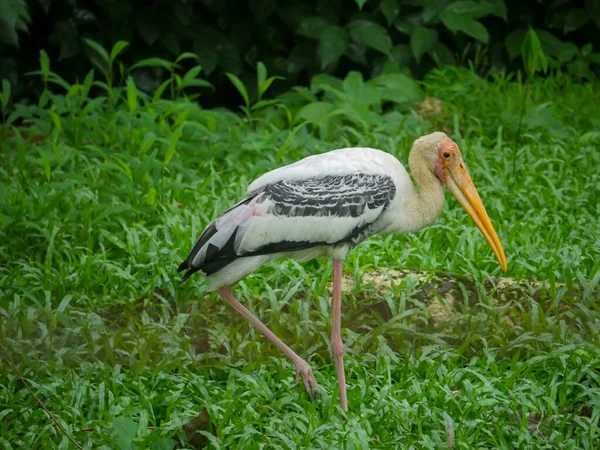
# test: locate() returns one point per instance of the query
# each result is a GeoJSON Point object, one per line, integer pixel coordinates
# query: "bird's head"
{"type": "Point", "coordinates": [443, 156]}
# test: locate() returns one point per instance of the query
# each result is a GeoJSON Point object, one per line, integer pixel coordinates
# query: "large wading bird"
{"type": "Point", "coordinates": [324, 205]}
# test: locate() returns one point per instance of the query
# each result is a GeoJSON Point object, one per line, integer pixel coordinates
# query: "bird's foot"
{"type": "Point", "coordinates": [304, 371]}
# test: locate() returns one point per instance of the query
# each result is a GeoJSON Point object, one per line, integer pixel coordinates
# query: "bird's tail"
{"type": "Point", "coordinates": [195, 260]}
{"type": "Point", "coordinates": [185, 266]}
{"type": "Point", "coordinates": [215, 247]}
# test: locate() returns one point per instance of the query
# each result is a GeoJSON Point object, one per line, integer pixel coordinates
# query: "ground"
{"type": "Point", "coordinates": [101, 200]}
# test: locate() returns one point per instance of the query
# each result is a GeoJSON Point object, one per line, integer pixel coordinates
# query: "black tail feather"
{"type": "Point", "coordinates": [188, 274]}
{"type": "Point", "coordinates": [184, 265]}
{"type": "Point", "coordinates": [214, 258]}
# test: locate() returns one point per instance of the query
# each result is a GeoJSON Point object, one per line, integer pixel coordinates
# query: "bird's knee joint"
{"type": "Point", "coordinates": [337, 346]}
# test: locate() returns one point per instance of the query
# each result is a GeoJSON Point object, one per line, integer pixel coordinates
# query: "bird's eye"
{"type": "Point", "coordinates": [446, 155]}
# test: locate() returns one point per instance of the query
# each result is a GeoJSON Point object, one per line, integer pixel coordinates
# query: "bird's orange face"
{"type": "Point", "coordinates": [451, 170]}
{"type": "Point", "coordinates": [448, 156]}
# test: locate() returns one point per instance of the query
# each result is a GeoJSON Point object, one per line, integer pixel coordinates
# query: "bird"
{"type": "Point", "coordinates": [323, 206]}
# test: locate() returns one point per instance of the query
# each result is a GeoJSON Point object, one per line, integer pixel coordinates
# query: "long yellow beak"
{"type": "Point", "coordinates": [461, 185]}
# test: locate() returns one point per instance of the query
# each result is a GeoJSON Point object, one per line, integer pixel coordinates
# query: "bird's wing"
{"type": "Point", "coordinates": [294, 214]}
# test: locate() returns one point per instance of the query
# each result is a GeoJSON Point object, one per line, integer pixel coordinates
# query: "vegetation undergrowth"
{"type": "Point", "coordinates": [101, 198]}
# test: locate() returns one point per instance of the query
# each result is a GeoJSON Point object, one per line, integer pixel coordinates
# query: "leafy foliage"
{"type": "Point", "coordinates": [295, 40]}
{"type": "Point", "coordinates": [534, 58]}
{"type": "Point", "coordinates": [102, 196]}
{"type": "Point", "coordinates": [14, 17]}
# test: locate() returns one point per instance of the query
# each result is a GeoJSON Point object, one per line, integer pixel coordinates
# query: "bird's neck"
{"type": "Point", "coordinates": [423, 207]}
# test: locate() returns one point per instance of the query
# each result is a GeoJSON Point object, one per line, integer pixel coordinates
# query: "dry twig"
{"type": "Point", "coordinates": [54, 419]}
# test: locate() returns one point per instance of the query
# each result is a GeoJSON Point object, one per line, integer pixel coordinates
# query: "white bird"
{"type": "Point", "coordinates": [324, 205]}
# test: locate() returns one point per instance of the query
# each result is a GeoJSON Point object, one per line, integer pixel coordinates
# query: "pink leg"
{"type": "Point", "coordinates": [336, 335]}
{"type": "Point", "coordinates": [303, 370]}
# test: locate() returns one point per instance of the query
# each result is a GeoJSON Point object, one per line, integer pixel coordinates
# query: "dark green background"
{"type": "Point", "coordinates": [295, 39]}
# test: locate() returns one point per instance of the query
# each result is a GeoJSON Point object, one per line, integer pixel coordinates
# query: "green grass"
{"type": "Point", "coordinates": [101, 200]}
